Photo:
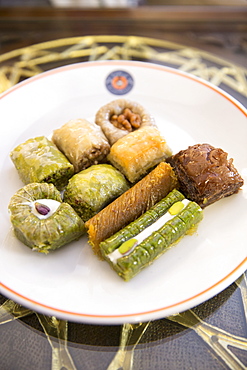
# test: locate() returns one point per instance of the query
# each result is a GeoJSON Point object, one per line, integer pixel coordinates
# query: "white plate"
{"type": "Point", "coordinates": [71, 283]}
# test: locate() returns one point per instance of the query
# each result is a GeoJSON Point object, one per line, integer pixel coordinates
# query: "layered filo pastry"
{"type": "Point", "coordinates": [205, 173]}
{"type": "Point", "coordinates": [120, 117]}
{"type": "Point", "coordinates": [138, 152]}
{"type": "Point", "coordinates": [82, 142]}
{"type": "Point", "coordinates": [92, 189]}
{"type": "Point", "coordinates": [39, 160]}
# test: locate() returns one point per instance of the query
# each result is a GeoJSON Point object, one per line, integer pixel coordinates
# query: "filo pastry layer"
{"type": "Point", "coordinates": [139, 151]}
{"type": "Point", "coordinates": [39, 160]}
{"type": "Point", "coordinates": [82, 142]}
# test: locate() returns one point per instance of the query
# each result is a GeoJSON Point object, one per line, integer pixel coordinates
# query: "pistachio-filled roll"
{"type": "Point", "coordinates": [39, 160]}
{"type": "Point", "coordinates": [93, 188]}
{"type": "Point", "coordinates": [41, 220]}
{"type": "Point", "coordinates": [139, 247]}
{"type": "Point", "coordinates": [130, 205]}
{"type": "Point", "coordinates": [141, 223]}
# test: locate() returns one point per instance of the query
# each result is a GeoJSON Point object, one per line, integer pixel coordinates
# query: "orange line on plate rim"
{"type": "Point", "coordinates": [77, 314]}
{"type": "Point", "coordinates": [132, 64]}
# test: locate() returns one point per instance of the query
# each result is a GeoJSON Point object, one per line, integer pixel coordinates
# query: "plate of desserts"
{"type": "Point", "coordinates": [123, 192]}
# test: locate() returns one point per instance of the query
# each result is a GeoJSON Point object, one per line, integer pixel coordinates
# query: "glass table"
{"type": "Point", "coordinates": [212, 335]}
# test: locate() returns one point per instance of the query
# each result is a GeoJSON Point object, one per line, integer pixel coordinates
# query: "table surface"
{"type": "Point", "coordinates": [209, 42]}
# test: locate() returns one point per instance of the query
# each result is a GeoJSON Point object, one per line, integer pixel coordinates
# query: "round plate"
{"type": "Point", "coordinates": [71, 283]}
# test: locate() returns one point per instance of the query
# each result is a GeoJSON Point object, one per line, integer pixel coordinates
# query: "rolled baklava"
{"type": "Point", "coordinates": [140, 243]}
{"type": "Point", "coordinates": [130, 205]}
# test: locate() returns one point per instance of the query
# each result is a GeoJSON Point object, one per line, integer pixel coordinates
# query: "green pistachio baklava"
{"type": "Point", "coordinates": [93, 188]}
{"type": "Point", "coordinates": [41, 220]}
{"type": "Point", "coordinates": [39, 160]}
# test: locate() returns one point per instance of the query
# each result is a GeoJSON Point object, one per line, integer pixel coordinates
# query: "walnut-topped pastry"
{"type": "Point", "coordinates": [120, 117]}
{"type": "Point", "coordinates": [205, 174]}
{"type": "Point", "coordinates": [127, 120]}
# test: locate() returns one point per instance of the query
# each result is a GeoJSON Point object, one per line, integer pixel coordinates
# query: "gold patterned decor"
{"type": "Point", "coordinates": [209, 336]}
{"type": "Point", "coordinates": [32, 60]}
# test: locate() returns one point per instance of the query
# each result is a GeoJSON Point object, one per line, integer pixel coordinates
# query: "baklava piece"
{"type": "Point", "coordinates": [39, 160]}
{"type": "Point", "coordinates": [120, 117]}
{"type": "Point", "coordinates": [131, 205]}
{"type": "Point", "coordinates": [140, 151]}
{"type": "Point", "coordinates": [205, 174]}
{"type": "Point", "coordinates": [41, 220]}
{"type": "Point", "coordinates": [82, 142]}
{"type": "Point", "coordinates": [93, 188]}
{"type": "Point", "coordinates": [143, 241]}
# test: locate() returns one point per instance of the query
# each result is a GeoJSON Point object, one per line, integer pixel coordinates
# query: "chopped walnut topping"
{"type": "Point", "coordinates": [127, 120]}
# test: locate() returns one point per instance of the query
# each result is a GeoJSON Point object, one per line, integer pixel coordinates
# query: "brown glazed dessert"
{"type": "Point", "coordinates": [205, 174]}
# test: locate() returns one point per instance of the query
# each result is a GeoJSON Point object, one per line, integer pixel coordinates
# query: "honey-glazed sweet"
{"type": "Point", "coordinates": [138, 152]}
{"type": "Point", "coordinates": [94, 188]}
{"type": "Point", "coordinates": [205, 173]}
{"type": "Point", "coordinates": [82, 142]}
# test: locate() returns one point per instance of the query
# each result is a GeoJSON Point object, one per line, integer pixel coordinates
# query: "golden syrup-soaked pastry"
{"type": "Point", "coordinates": [120, 117]}
{"type": "Point", "coordinates": [130, 205]}
{"type": "Point", "coordinates": [83, 143]}
{"type": "Point", "coordinates": [138, 152]}
{"type": "Point", "coordinates": [93, 188]}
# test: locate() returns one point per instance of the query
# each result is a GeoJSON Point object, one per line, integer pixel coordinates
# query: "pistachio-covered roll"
{"type": "Point", "coordinates": [83, 143]}
{"type": "Point", "coordinates": [130, 205]}
{"type": "Point", "coordinates": [93, 188]}
{"type": "Point", "coordinates": [39, 160]}
{"type": "Point", "coordinates": [120, 117]}
{"type": "Point", "coordinates": [145, 220]}
{"type": "Point", "coordinates": [142, 248]}
{"type": "Point", "coordinates": [41, 220]}
{"type": "Point", "coordinates": [137, 153]}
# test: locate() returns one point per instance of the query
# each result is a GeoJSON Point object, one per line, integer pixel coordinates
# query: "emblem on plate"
{"type": "Point", "coordinates": [119, 82]}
